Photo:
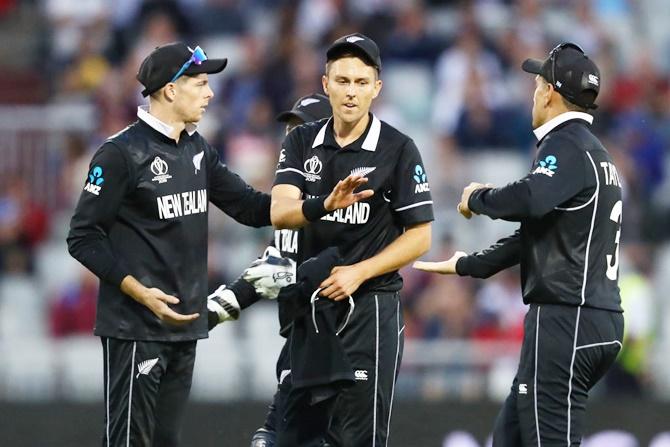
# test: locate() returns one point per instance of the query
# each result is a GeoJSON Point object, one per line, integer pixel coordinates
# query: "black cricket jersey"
{"type": "Point", "coordinates": [312, 160]}
{"type": "Point", "coordinates": [570, 210]}
{"type": "Point", "coordinates": [143, 212]}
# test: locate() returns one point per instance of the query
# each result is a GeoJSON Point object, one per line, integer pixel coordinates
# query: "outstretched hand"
{"type": "Point", "coordinates": [343, 193]}
{"type": "Point", "coordinates": [157, 301]}
{"type": "Point", "coordinates": [447, 267]}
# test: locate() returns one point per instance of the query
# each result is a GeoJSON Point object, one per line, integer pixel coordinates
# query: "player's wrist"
{"type": "Point", "coordinates": [315, 208]}
{"type": "Point", "coordinates": [134, 289]}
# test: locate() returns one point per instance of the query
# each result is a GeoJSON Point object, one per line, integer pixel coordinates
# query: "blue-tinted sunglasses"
{"type": "Point", "coordinates": [197, 58]}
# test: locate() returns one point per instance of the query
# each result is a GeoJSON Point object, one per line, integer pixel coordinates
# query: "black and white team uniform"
{"type": "Point", "coordinates": [143, 212]}
{"type": "Point", "coordinates": [311, 160]}
{"type": "Point", "coordinates": [570, 210]}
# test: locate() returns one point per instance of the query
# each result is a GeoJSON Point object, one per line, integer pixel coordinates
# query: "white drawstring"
{"type": "Point", "coordinates": [346, 320]}
{"type": "Point", "coordinates": [315, 297]}
{"type": "Point", "coordinates": [313, 300]}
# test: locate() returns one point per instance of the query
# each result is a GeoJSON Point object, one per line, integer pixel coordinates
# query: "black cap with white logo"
{"type": "Point", "coordinates": [308, 108]}
{"type": "Point", "coordinates": [359, 45]}
{"type": "Point", "coordinates": [571, 72]}
{"type": "Point", "coordinates": [168, 62]}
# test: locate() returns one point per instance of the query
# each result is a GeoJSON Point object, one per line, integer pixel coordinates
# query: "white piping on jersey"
{"type": "Point", "coordinates": [550, 125]}
{"type": "Point", "coordinates": [592, 345]}
{"type": "Point", "coordinates": [291, 170]}
{"type": "Point", "coordinates": [593, 222]}
{"type": "Point", "coordinates": [130, 393]}
{"type": "Point", "coordinates": [107, 390]}
{"type": "Point", "coordinates": [318, 141]}
{"type": "Point", "coordinates": [427, 202]}
{"type": "Point", "coordinates": [370, 142]}
{"type": "Point", "coordinates": [580, 206]}
{"type": "Point", "coordinates": [572, 365]}
{"type": "Point", "coordinates": [159, 126]}
{"type": "Point", "coordinates": [395, 369]}
{"type": "Point", "coordinates": [374, 401]}
{"type": "Point", "coordinates": [537, 338]}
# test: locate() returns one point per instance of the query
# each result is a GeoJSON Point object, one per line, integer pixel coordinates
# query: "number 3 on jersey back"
{"type": "Point", "coordinates": [613, 260]}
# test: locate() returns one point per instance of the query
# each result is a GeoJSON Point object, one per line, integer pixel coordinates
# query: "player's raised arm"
{"type": "Point", "coordinates": [289, 211]}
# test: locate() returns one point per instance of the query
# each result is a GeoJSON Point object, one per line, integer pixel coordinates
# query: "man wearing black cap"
{"type": "Point", "coordinates": [387, 229]}
{"type": "Point", "coordinates": [271, 272]}
{"type": "Point", "coordinates": [570, 208]}
{"type": "Point", "coordinates": [141, 226]}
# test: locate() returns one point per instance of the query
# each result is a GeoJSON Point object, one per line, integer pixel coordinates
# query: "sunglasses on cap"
{"type": "Point", "coordinates": [197, 58]}
{"type": "Point", "coordinates": [554, 54]}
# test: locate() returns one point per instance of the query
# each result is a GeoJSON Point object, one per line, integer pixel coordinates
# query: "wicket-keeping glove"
{"type": "Point", "coordinates": [270, 273]}
{"type": "Point", "coordinates": [222, 306]}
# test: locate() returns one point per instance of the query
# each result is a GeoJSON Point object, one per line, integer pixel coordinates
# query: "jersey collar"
{"type": "Point", "coordinates": [553, 123]}
{"type": "Point", "coordinates": [371, 139]}
{"type": "Point", "coordinates": [160, 126]}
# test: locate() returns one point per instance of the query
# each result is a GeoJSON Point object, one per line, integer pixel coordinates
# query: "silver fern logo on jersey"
{"type": "Point", "coordinates": [159, 168]}
{"type": "Point", "coordinates": [362, 171]}
{"type": "Point", "coordinates": [197, 160]}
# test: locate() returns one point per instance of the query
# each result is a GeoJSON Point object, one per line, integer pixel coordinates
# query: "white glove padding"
{"type": "Point", "coordinates": [224, 304]}
{"type": "Point", "coordinates": [270, 273]}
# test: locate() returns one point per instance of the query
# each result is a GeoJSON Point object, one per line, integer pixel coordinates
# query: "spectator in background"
{"type": "Point", "coordinates": [73, 310]}
{"type": "Point", "coordinates": [465, 62]}
{"type": "Point", "coordinates": [410, 40]}
{"type": "Point", "coordinates": [499, 310]}
{"type": "Point", "coordinates": [446, 309]}
{"type": "Point", "coordinates": [24, 223]}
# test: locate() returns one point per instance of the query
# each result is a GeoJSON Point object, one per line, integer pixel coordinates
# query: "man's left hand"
{"type": "Point", "coordinates": [463, 207]}
{"type": "Point", "coordinates": [343, 281]}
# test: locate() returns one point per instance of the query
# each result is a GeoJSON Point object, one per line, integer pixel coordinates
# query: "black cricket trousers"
{"type": "Point", "coordinates": [565, 351]}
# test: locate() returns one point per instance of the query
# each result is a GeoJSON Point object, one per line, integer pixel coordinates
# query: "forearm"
{"type": "Point", "coordinates": [134, 289]}
{"type": "Point", "coordinates": [409, 246]}
{"type": "Point", "coordinates": [287, 213]}
{"type": "Point", "coordinates": [94, 252]}
{"type": "Point", "coordinates": [512, 202]}
{"type": "Point", "coordinates": [501, 255]}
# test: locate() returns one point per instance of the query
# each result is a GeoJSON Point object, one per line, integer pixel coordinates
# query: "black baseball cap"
{"type": "Point", "coordinates": [166, 61]}
{"type": "Point", "coordinates": [308, 108]}
{"type": "Point", "coordinates": [571, 72]}
{"type": "Point", "coordinates": [358, 44]}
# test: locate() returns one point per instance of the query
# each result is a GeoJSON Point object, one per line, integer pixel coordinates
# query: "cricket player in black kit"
{"type": "Point", "coordinates": [570, 210]}
{"type": "Point", "coordinates": [264, 278]}
{"type": "Point", "coordinates": [141, 227]}
{"type": "Point", "coordinates": [388, 227]}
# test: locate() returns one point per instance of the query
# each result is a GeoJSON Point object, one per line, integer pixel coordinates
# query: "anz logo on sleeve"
{"type": "Point", "coordinates": [548, 166]}
{"type": "Point", "coordinates": [95, 181]}
{"type": "Point", "coordinates": [421, 180]}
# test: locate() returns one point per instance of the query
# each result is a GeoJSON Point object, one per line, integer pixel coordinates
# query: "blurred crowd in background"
{"type": "Point", "coordinates": [451, 81]}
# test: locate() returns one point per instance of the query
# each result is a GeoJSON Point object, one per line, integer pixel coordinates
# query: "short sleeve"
{"type": "Point", "coordinates": [289, 167]}
{"type": "Point", "coordinates": [410, 190]}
